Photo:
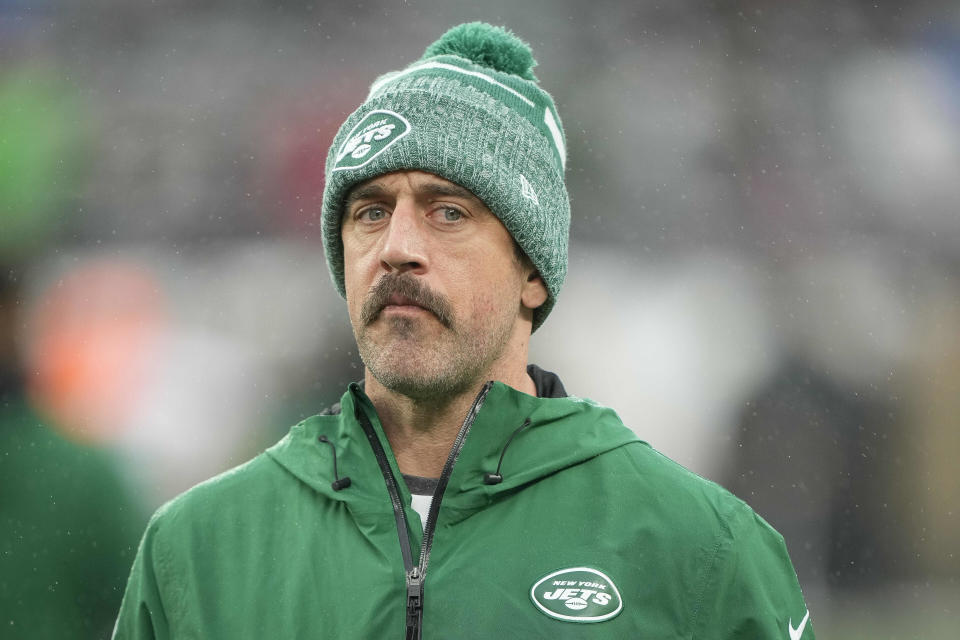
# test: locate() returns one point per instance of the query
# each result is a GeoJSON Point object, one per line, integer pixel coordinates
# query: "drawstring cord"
{"type": "Point", "coordinates": [496, 478]}
{"type": "Point", "coordinates": [488, 478]}
{"type": "Point", "coordinates": [338, 482]}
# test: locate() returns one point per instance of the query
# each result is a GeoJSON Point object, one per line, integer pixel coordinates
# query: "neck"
{"type": "Point", "coordinates": [421, 432]}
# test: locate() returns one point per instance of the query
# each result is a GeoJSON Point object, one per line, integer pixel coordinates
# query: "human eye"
{"type": "Point", "coordinates": [450, 214]}
{"type": "Point", "coordinates": [371, 214]}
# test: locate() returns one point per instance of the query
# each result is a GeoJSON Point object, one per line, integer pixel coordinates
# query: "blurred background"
{"type": "Point", "coordinates": [764, 276]}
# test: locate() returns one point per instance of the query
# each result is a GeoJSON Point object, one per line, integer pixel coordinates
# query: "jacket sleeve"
{"type": "Point", "coordinates": [752, 591]}
{"type": "Point", "coordinates": [142, 612]}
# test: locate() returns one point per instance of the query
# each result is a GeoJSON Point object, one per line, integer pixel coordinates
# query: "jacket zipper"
{"type": "Point", "coordinates": [415, 574]}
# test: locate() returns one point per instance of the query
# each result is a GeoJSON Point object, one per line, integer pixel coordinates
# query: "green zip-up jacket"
{"type": "Point", "coordinates": [589, 533]}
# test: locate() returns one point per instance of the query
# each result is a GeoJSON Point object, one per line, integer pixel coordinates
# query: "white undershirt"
{"type": "Point", "coordinates": [421, 495]}
{"type": "Point", "coordinates": [421, 504]}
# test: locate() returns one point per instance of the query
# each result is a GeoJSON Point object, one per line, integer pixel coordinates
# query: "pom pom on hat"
{"type": "Point", "coordinates": [488, 46]}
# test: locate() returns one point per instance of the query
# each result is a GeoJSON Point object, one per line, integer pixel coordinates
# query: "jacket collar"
{"type": "Point", "coordinates": [547, 383]}
{"type": "Point", "coordinates": [562, 432]}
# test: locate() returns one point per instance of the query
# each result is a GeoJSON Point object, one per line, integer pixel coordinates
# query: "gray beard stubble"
{"type": "Point", "coordinates": [441, 372]}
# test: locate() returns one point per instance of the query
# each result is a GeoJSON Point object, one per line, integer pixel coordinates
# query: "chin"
{"type": "Point", "coordinates": [410, 370]}
{"type": "Point", "coordinates": [414, 382]}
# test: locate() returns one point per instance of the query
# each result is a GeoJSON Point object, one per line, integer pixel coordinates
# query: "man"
{"type": "Point", "coordinates": [457, 492]}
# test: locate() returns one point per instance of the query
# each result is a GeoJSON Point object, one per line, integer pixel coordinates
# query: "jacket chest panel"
{"type": "Point", "coordinates": [309, 577]}
{"type": "Point", "coordinates": [483, 568]}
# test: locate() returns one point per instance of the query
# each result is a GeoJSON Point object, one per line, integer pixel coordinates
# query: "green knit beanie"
{"type": "Point", "coordinates": [470, 111]}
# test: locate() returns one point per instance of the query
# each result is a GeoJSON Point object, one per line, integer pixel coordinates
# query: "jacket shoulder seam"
{"type": "Point", "coordinates": [710, 569]}
{"type": "Point", "coordinates": [731, 522]}
{"type": "Point", "coordinates": [162, 561]}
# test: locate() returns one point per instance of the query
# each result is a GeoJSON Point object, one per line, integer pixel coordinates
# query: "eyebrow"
{"type": "Point", "coordinates": [450, 190]}
{"type": "Point", "coordinates": [363, 192]}
{"type": "Point", "coordinates": [375, 191]}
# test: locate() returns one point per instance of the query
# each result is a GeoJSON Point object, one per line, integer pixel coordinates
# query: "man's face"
{"type": "Point", "coordinates": [434, 286]}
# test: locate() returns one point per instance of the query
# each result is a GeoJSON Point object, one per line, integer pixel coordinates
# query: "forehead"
{"type": "Point", "coordinates": [420, 183]}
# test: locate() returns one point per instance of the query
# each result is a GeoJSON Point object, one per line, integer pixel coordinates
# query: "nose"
{"type": "Point", "coordinates": [403, 248]}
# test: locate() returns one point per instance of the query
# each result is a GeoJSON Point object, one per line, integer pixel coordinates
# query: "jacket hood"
{"type": "Point", "coordinates": [562, 432]}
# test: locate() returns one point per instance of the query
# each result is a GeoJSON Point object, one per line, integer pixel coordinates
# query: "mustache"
{"type": "Point", "coordinates": [408, 286]}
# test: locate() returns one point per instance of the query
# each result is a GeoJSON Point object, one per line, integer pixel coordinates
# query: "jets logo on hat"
{"type": "Point", "coordinates": [369, 138]}
{"type": "Point", "coordinates": [579, 594]}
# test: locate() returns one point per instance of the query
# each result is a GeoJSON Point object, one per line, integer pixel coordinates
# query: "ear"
{"type": "Point", "coordinates": [534, 291]}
